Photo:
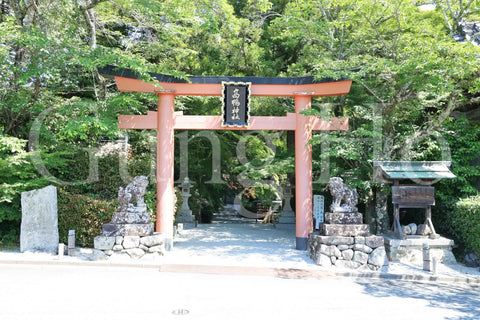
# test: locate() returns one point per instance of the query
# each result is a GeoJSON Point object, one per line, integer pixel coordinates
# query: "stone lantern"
{"type": "Point", "coordinates": [185, 214]}
{"type": "Point", "coordinates": [288, 215]}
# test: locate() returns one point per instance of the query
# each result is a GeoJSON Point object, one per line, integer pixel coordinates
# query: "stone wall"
{"type": "Point", "coordinates": [135, 246]}
{"type": "Point", "coordinates": [348, 252]}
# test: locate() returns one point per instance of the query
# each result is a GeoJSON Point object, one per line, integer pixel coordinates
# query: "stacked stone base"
{"type": "Point", "coordinates": [354, 252]}
{"type": "Point", "coordinates": [134, 246]}
{"type": "Point", "coordinates": [410, 249]}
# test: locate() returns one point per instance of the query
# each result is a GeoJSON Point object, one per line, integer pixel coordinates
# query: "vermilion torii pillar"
{"type": "Point", "coordinates": [166, 120]}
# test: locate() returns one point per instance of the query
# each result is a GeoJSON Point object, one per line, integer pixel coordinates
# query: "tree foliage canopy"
{"type": "Point", "coordinates": [409, 74]}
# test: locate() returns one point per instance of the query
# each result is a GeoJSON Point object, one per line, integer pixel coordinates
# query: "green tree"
{"type": "Point", "coordinates": [406, 81]}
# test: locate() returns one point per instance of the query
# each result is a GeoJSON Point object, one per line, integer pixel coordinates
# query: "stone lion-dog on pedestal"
{"type": "Point", "coordinates": [344, 198]}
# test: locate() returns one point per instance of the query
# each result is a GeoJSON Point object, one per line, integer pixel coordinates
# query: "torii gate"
{"type": "Point", "coordinates": [166, 120]}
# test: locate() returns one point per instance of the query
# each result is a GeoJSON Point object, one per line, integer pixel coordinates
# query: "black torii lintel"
{"type": "Point", "coordinates": [127, 73]}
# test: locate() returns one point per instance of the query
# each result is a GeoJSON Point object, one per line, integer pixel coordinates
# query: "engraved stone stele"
{"type": "Point", "coordinates": [39, 227]}
{"type": "Point", "coordinates": [131, 218]}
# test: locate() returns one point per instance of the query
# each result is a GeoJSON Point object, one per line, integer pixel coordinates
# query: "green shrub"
{"type": "Point", "coordinates": [17, 174]}
{"type": "Point", "coordinates": [84, 215]}
{"type": "Point", "coordinates": [466, 222]}
{"type": "Point", "coordinates": [463, 138]}
{"type": "Point", "coordinates": [206, 214]}
{"type": "Point", "coordinates": [10, 239]}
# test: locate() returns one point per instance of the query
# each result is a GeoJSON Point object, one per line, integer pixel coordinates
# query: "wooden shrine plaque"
{"type": "Point", "coordinates": [236, 104]}
{"type": "Point", "coordinates": [413, 196]}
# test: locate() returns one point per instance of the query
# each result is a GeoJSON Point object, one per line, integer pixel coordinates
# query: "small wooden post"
{"type": "Point", "coordinates": [428, 219]}
{"type": "Point", "coordinates": [397, 227]}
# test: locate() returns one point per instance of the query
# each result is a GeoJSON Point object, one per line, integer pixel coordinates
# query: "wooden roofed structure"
{"type": "Point", "coordinates": [420, 195]}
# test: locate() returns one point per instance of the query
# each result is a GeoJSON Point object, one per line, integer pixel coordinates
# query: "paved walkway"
{"type": "Point", "coordinates": [246, 247]}
{"type": "Point", "coordinates": [37, 292]}
{"type": "Point", "coordinates": [258, 245]}
{"type": "Point", "coordinates": [199, 280]}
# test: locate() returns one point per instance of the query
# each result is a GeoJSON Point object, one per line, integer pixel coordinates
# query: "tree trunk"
{"type": "Point", "coordinates": [382, 220]}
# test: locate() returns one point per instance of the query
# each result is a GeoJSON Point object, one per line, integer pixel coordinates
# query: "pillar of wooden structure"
{"type": "Point", "coordinates": [165, 121]}
{"type": "Point", "coordinates": [164, 176]}
{"type": "Point", "coordinates": [303, 172]}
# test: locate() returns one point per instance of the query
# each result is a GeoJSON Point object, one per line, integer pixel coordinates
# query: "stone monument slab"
{"type": "Point", "coordinates": [39, 227]}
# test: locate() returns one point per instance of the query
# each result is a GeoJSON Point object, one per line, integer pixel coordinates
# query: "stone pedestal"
{"type": "Point", "coordinates": [343, 240]}
{"type": "Point", "coordinates": [343, 218]}
{"type": "Point", "coordinates": [287, 217]}
{"type": "Point", "coordinates": [127, 229]}
{"type": "Point", "coordinates": [134, 246]}
{"type": "Point", "coordinates": [345, 230]}
{"type": "Point", "coordinates": [132, 214]}
{"type": "Point", "coordinates": [410, 249]}
{"type": "Point", "coordinates": [346, 245]}
{"type": "Point", "coordinates": [130, 223]}
{"type": "Point", "coordinates": [348, 251]}
{"type": "Point", "coordinates": [185, 217]}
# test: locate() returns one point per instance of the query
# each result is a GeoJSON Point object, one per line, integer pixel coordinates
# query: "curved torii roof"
{"type": "Point", "coordinates": [128, 81]}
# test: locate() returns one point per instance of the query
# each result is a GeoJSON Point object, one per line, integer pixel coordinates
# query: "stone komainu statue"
{"type": "Point", "coordinates": [132, 195]}
{"type": "Point", "coordinates": [344, 198]}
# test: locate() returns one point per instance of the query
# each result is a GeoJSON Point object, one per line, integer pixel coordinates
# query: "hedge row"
{"type": "Point", "coordinates": [466, 222]}
{"type": "Point", "coordinates": [84, 215]}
